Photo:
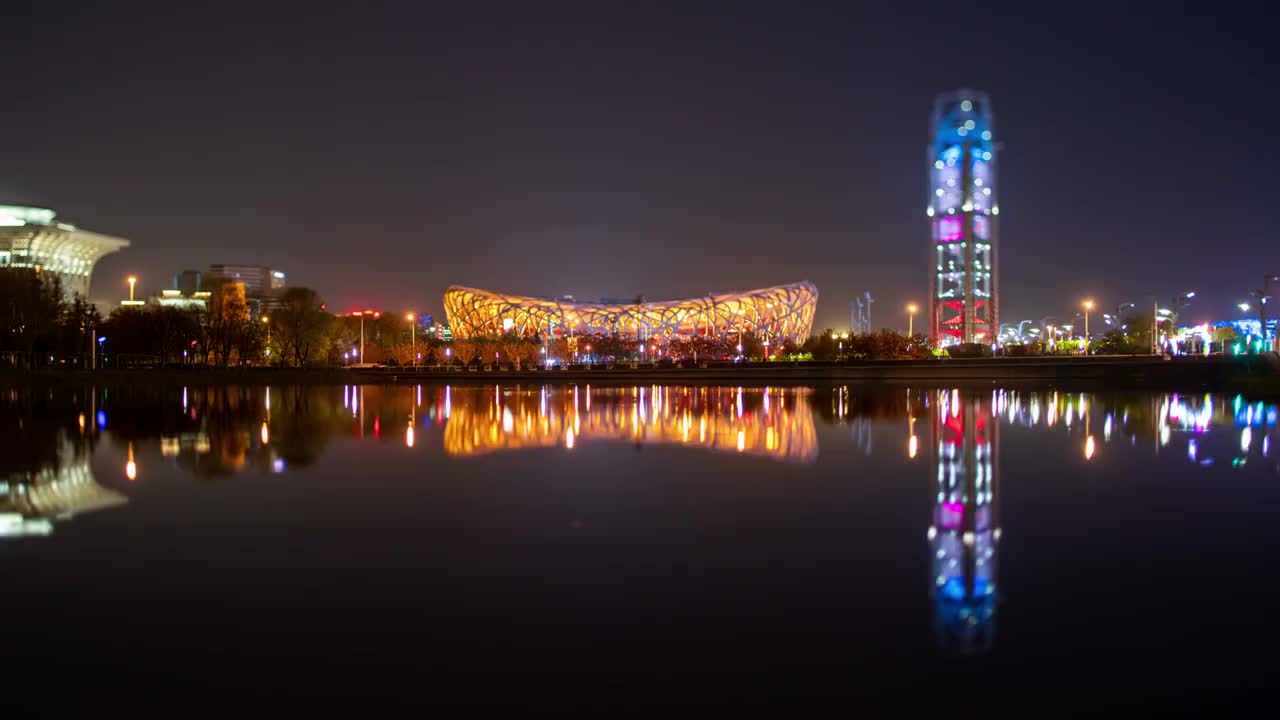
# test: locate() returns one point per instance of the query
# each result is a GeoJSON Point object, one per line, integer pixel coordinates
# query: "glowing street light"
{"type": "Point", "coordinates": [133, 280]}
{"type": "Point", "coordinates": [267, 321]}
{"type": "Point", "coordinates": [1088, 305]}
{"type": "Point", "coordinates": [1244, 307]}
{"type": "Point", "coordinates": [131, 467]}
{"type": "Point", "coordinates": [413, 336]}
{"type": "Point", "coordinates": [911, 316]}
{"type": "Point", "coordinates": [360, 314]}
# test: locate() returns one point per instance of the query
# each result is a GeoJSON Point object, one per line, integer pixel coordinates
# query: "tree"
{"type": "Point", "coordinates": [1117, 342]}
{"type": "Point", "coordinates": [407, 354]}
{"type": "Point", "coordinates": [887, 345]}
{"type": "Point", "coordinates": [822, 347]}
{"type": "Point", "coordinates": [79, 319]}
{"type": "Point", "coordinates": [31, 307]}
{"type": "Point", "coordinates": [300, 325]}
{"type": "Point", "coordinates": [918, 347]}
{"type": "Point", "coordinates": [467, 351]}
{"type": "Point", "coordinates": [527, 352]}
{"type": "Point", "coordinates": [226, 321]}
{"type": "Point", "coordinates": [509, 347]}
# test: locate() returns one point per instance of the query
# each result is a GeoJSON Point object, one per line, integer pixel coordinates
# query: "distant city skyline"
{"type": "Point", "coordinates": [576, 150]}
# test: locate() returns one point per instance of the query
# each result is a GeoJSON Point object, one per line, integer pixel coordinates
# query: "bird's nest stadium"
{"type": "Point", "coordinates": [781, 313]}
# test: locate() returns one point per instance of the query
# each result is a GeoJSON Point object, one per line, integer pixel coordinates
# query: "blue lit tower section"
{"type": "Point", "coordinates": [965, 531]}
{"type": "Point", "coordinates": [962, 220]}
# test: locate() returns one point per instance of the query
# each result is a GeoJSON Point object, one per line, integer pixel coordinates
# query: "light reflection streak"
{"type": "Point", "coordinates": [644, 415]}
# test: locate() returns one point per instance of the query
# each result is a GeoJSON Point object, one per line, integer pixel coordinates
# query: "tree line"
{"type": "Point", "coordinates": [298, 331]}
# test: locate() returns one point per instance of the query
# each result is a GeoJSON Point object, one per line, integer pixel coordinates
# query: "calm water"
{"type": "Point", "coordinates": [988, 538]}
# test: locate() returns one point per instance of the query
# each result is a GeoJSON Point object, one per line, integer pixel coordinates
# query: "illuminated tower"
{"type": "Point", "coordinates": [962, 220]}
{"type": "Point", "coordinates": [965, 531]}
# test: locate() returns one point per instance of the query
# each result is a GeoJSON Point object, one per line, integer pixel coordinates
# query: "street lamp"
{"type": "Point", "coordinates": [740, 333]}
{"type": "Point", "coordinates": [1088, 305]}
{"type": "Point", "coordinates": [1244, 307]}
{"type": "Point", "coordinates": [133, 280]}
{"type": "Point", "coordinates": [911, 316]}
{"type": "Point", "coordinates": [360, 315]}
{"type": "Point", "coordinates": [266, 320]}
{"type": "Point", "coordinates": [413, 337]}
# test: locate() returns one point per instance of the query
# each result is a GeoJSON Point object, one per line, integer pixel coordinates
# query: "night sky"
{"type": "Point", "coordinates": [380, 153]}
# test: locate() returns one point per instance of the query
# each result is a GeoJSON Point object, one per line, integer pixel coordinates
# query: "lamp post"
{"type": "Point", "coordinates": [1088, 305]}
{"type": "Point", "coordinates": [413, 338]}
{"type": "Point", "coordinates": [911, 316]}
{"type": "Point", "coordinates": [360, 314]}
{"type": "Point", "coordinates": [266, 320]}
{"type": "Point", "coordinates": [740, 320]}
{"type": "Point", "coordinates": [133, 280]}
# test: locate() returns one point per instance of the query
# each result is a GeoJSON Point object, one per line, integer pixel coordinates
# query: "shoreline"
{"type": "Point", "coordinates": [1254, 374]}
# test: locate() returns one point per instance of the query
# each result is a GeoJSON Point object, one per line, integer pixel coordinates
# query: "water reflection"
{"type": "Point", "coordinates": [1208, 428]}
{"type": "Point", "coordinates": [212, 433]}
{"type": "Point", "coordinates": [964, 532]}
{"type": "Point", "coordinates": [889, 439]}
{"type": "Point", "coordinates": [45, 470]}
{"type": "Point", "coordinates": [767, 422]}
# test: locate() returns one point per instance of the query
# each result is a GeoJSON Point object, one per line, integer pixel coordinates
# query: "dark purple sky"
{"type": "Point", "coordinates": [380, 153]}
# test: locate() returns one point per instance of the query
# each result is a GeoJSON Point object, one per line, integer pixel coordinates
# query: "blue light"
{"type": "Point", "coordinates": [953, 589]}
{"type": "Point", "coordinates": [102, 339]}
{"type": "Point", "coordinates": [102, 419]}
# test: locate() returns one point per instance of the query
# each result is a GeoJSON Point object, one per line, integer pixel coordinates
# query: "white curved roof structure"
{"type": "Point", "coordinates": [32, 238]}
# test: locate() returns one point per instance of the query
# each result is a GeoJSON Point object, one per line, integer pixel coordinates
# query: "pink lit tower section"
{"type": "Point", "coordinates": [963, 212]}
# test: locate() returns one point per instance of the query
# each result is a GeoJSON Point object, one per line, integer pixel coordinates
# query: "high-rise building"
{"type": "Point", "coordinates": [187, 282]}
{"type": "Point", "coordinates": [32, 238]}
{"type": "Point", "coordinates": [259, 281]}
{"type": "Point", "coordinates": [962, 211]}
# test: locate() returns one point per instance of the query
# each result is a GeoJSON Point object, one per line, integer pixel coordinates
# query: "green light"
{"type": "Point", "coordinates": [11, 215]}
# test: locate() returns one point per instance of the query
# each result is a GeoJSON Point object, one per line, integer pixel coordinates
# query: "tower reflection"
{"type": "Point", "coordinates": [769, 422]}
{"type": "Point", "coordinates": [965, 532]}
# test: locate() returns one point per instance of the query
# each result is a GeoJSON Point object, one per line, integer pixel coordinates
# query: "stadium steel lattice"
{"type": "Point", "coordinates": [780, 313]}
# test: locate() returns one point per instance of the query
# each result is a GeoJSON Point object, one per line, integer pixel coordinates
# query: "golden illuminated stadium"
{"type": "Point", "coordinates": [780, 313]}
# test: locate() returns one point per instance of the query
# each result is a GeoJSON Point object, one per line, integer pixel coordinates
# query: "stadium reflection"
{"type": "Point", "coordinates": [769, 422]}
{"type": "Point", "coordinates": [68, 452]}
